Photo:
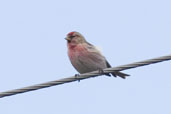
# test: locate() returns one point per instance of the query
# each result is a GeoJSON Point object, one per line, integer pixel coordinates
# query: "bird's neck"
{"type": "Point", "coordinates": [71, 46]}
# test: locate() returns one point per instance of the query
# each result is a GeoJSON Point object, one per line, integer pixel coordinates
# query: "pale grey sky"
{"type": "Point", "coordinates": [33, 50]}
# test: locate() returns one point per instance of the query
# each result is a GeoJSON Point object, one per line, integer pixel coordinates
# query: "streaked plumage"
{"type": "Point", "coordinates": [85, 57]}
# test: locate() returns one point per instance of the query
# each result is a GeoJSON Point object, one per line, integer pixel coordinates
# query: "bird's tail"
{"type": "Point", "coordinates": [120, 74]}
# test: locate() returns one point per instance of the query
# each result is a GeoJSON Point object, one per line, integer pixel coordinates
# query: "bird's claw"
{"type": "Point", "coordinates": [101, 71]}
{"type": "Point", "coordinates": [76, 76]}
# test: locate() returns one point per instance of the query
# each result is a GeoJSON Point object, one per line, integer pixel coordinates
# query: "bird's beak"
{"type": "Point", "coordinates": [68, 39]}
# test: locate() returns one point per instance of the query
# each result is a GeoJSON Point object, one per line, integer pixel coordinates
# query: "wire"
{"type": "Point", "coordinates": [83, 76]}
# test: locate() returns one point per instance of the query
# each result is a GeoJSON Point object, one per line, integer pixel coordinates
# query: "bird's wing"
{"type": "Point", "coordinates": [92, 56]}
{"type": "Point", "coordinates": [92, 48]}
{"type": "Point", "coordinates": [96, 57]}
{"type": "Point", "coordinates": [108, 65]}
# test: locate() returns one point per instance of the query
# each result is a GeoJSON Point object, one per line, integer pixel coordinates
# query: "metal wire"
{"type": "Point", "coordinates": [83, 76]}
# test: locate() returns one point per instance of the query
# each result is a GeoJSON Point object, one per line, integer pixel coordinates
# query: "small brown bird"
{"type": "Point", "coordinates": [85, 57]}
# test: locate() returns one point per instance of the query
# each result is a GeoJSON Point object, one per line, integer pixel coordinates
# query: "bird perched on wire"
{"type": "Point", "coordinates": [85, 57]}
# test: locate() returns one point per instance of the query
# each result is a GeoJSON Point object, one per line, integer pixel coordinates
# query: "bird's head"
{"type": "Point", "coordinates": [75, 38]}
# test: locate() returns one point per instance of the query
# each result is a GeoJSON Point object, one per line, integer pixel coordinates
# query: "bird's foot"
{"type": "Point", "coordinates": [101, 71]}
{"type": "Point", "coordinates": [76, 76]}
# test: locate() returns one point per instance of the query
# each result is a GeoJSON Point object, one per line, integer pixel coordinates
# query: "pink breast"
{"type": "Point", "coordinates": [76, 51]}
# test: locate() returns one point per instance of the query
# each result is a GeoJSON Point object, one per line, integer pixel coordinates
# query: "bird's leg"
{"type": "Point", "coordinates": [101, 71]}
{"type": "Point", "coordinates": [76, 76]}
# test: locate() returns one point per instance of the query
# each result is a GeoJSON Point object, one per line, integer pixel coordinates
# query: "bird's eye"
{"type": "Point", "coordinates": [72, 37]}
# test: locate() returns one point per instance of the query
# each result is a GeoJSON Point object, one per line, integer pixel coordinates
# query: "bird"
{"type": "Point", "coordinates": [85, 57]}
